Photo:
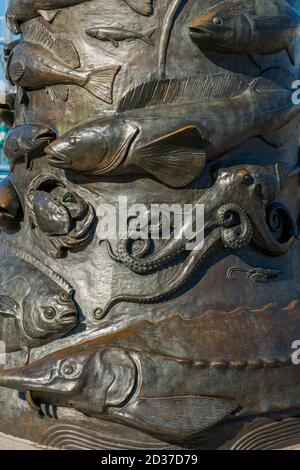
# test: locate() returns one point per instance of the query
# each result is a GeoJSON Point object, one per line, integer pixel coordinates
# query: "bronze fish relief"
{"type": "Point", "coordinates": [167, 132]}
{"type": "Point", "coordinates": [117, 34]}
{"type": "Point", "coordinates": [248, 27]}
{"type": "Point", "coordinates": [20, 11]}
{"type": "Point", "coordinates": [36, 304]}
{"type": "Point", "coordinates": [27, 142]}
{"type": "Point", "coordinates": [135, 375]}
{"type": "Point", "coordinates": [39, 62]}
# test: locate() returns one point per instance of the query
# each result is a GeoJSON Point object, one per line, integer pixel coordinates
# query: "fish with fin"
{"type": "Point", "coordinates": [39, 62]}
{"type": "Point", "coordinates": [116, 34]}
{"type": "Point", "coordinates": [10, 206]}
{"type": "Point", "coordinates": [36, 304]}
{"type": "Point", "coordinates": [114, 384]}
{"type": "Point", "coordinates": [20, 11]}
{"type": "Point", "coordinates": [26, 142]}
{"type": "Point", "coordinates": [111, 376]}
{"type": "Point", "coordinates": [169, 130]}
{"type": "Point", "coordinates": [248, 27]}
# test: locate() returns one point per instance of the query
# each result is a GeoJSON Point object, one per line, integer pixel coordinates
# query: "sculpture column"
{"type": "Point", "coordinates": [114, 342]}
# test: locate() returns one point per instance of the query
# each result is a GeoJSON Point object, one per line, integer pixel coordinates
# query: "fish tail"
{"type": "Point", "coordinates": [147, 38]}
{"type": "Point", "coordinates": [100, 82]}
{"type": "Point", "coordinates": [143, 7]}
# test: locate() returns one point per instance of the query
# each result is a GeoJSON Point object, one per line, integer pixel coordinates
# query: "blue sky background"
{"type": "Point", "coordinates": [4, 35]}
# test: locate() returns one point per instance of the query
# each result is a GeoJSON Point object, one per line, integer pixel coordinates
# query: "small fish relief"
{"type": "Point", "coordinates": [60, 218]}
{"type": "Point", "coordinates": [118, 33]}
{"type": "Point", "coordinates": [39, 61]}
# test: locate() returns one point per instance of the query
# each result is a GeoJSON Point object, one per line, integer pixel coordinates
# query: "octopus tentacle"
{"type": "Point", "coordinates": [136, 263]}
{"type": "Point", "coordinates": [235, 231]}
{"type": "Point", "coordinates": [156, 261]}
{"type": "Point", "coordinates": [174, 285]}
{"type": "Point", "coordinates": [235, 235]}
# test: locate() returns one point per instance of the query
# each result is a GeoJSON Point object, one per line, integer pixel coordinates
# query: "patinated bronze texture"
{"type": "Point", "coordinates": [118, 341]}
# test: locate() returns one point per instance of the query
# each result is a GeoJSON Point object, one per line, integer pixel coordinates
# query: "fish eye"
{"type": "Point", "coordinates": [50, 313]}
{"type": "Point", "coordinates": [72, 141]}
{"type": "Point", "coordinates": [248, 179]}
{"type": "Point", "coordinates": [218, 21]}
{"type": "Point", "coordinates": [70, 369]}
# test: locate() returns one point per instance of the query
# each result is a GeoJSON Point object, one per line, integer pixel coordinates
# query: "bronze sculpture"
{"type": "Point", "coordinates": [163, 102]}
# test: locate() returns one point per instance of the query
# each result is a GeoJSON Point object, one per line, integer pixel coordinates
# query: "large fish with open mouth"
{"type": "Point", "coordinates": [166, 130]}
{"type": "Point", "coordinates": [39, 62]}
{"type": "Point", "coordinates": [248, 27]}
{"type": "Point", "coordinates": [20, 11]}
{"type": "Point", "coordinates": [26, 142]}
{"type": "Point", "coordinates": [174, 378]}
{"type": "Point", "coordinates": [36, 304]}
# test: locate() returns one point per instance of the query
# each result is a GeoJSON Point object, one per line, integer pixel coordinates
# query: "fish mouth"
{"type": "Point", "coordinates": [197, 32]}
{"type": "Point", "coordinates": [47, 136]}
{"type": "Point", "coordinates": [67, 318]}
{"type": "Point", "coordinates": [57, 159]}
{"type": "Point", "coordinates": [92, 33]}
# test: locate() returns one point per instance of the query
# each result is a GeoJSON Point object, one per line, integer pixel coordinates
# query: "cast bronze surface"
{"type": "Point", "coordinates": [148, 391]}
{"type": "Point", "coordinates": [147, 343]}
{"type": "Point", "coordinates": [36, 304]}
{"type": "Point", "coordinates": [248, 27]}
{"type": "Point", "coordinates": [173, 142]}
{"type": "Point", "coordinates": [10, 206]}
{"type": "Point", "coordinates": [27, 142]}
{"type": "Point", "coordinates": [58, 216]}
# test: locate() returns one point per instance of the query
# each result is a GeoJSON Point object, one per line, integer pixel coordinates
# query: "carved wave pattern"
{"type": "Point", "coordinates": [72, 437]}
{"type": "Point", "coordinates": [276, 435]}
